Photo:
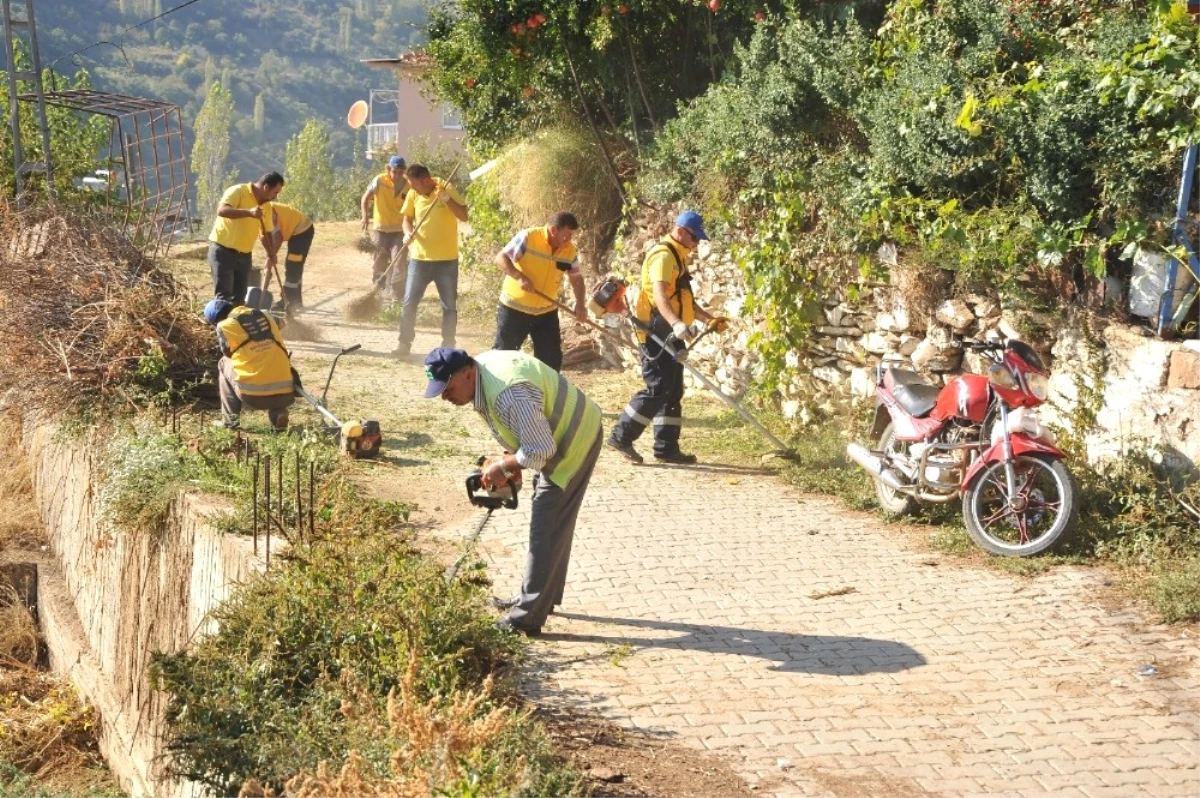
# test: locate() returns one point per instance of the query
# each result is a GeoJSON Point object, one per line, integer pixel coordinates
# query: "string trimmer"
{"type": "Point", "coordinates": [359, 439]}
{"type": "Point", "coordinates": [609, 297]}
{"type": "Point", "coordinates": [491, 499]}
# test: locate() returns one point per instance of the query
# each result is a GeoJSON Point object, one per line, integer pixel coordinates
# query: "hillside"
{"type": "Point", "coordinates": [300, 58]}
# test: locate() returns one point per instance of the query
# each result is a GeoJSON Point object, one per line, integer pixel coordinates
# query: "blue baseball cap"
{"type": "Point", "coordinates": [693, 223]}
{"type": "Point", "coordinates": [396, 162]}
{"type": "Point", "coordinates": [214, 310]}
{"type": "Point", "coordinates": [440, 366]}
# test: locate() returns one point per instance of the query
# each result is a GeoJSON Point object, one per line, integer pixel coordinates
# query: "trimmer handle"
{"type": "Point", "coordinates": [479, 496]}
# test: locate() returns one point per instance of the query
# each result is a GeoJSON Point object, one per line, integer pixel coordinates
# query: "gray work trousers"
{"type": "Point", "coordinates": [551, 532]}
{"type": "Point", "coordinates": [232, 401]}
{"type": "Point", "coordinates": [390, 247]}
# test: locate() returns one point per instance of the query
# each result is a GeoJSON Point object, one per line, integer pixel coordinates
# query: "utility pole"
{"type": "Point", "coordinates": [19, 18]}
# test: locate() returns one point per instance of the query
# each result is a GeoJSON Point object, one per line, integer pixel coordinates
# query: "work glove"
{"type": "Point", "coordinates": [719, 324]}
{"type": "Point", "coordinates": [681, 331]}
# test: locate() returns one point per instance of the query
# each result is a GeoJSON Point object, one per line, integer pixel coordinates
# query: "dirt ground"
{"type": "Point", "coordinates": [429, 448]}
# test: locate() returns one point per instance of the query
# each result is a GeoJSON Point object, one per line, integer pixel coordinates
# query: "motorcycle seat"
{"type": "Point", "coordinates": [911, 391]}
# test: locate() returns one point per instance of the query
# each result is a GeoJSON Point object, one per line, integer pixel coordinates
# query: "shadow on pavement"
{"type": "Point", "coordinates": [831, 655]}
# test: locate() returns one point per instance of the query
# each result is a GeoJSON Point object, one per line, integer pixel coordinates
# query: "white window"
{"type": "Point", "coordinates": [451, 119]}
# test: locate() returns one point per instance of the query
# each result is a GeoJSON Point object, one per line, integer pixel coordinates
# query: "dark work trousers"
{"type": "Point", "coordinates": [513, 327]}
{"type": "Point", "coordinates": [554, 511]}
{"type": "Point", "coordinates": [293, 273]}
{"type": "Point", "coordinates": [661, 403]}
{"type": "Point", "coordinates": [230, 272]}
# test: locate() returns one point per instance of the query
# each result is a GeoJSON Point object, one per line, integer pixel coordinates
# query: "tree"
{"type": "Point", "coordinates": [310, 174]}
{"type": "Point", "coordinates": [74, 139]}
{"type": "Point", "coordinates": [211, 150]}
{"type": "Point", "coordinates": [260, 114]}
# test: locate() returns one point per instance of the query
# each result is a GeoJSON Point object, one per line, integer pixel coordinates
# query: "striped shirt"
{"type": "Point", "coordinates": [520, 409]}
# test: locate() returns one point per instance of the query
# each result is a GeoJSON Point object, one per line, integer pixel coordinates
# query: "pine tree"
{"type": "Point", "coordinates": [260, 114]}
{"type": "Point", "coordinates": [211, 150]}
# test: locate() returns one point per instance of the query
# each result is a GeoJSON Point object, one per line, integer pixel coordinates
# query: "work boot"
{"type": "Point", "coordinates": [626, 450]}
{"type": "Point", "coordinates": [677, 458]}
{"type": "Point", "coordinates": [281, 421]}
{"type": "Point", "coordinates": [229, 422]}
{"type": "Point", "coordinates": [506, 625]}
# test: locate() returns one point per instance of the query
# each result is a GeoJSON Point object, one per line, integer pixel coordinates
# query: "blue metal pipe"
{"type": "Point", "coordinates": [1173, 267]}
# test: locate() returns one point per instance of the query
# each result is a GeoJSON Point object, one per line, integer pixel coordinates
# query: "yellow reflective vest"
{"type": "Point", "coordinates": [260, 363]}
{"type": "Point", "coordinates": [541, 265]}
{"type": "Point", "coordinates": [385, 214]}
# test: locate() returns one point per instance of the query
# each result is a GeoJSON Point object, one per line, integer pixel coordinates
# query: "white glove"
{"type": "Point", "coordinates": [681, 331]}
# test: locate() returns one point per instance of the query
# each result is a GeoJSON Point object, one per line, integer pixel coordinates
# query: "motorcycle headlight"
{"type": "Point", "coordinates": [1001, 377]}
{"type": "Point", "coordinates": [1039, 385]}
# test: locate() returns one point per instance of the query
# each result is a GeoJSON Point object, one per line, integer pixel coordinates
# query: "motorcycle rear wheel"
{"type": "Point", "coordinates": [1045, 511]}
{"type": "Point", "coordinates": [892, 501]}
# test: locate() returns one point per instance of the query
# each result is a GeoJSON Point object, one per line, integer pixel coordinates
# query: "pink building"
{"type": "Point", "coordinates": [400, 116]}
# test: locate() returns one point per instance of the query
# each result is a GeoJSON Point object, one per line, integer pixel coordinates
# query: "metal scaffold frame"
{"type": "Point", "coordinates": [147, 162]}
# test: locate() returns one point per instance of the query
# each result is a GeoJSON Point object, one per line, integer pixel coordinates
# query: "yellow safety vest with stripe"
{"type": "Point", "coordinates": [573, 418]}
{"type": "Point", "coordinates": [544, 267]}
{"type": "Point", "coordinates": [682, 300]}
{"type": "Point", "coordinates": [260, 363]}
{"type": "Point", "coordinates": [388, 202]}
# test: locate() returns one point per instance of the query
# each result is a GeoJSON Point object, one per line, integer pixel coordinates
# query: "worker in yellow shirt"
{"type": "Point", "coordinates": [291, 225]}
{"type": "Point", "coordinates": [534, 263]}
{"type": "Point", "coordinates": [239, 223]}
{"type": "Point", "coordinates": [255, 370]}
{"type": "Point", "coordinates": [433, 252]}
{"type": "Point", "coordinates": [667, 307]}
{"type": "Point", "coordinates": [381, 206]}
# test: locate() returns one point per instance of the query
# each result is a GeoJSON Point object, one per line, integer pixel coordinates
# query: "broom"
{"type": "Point", "coordinates": [293, 328]}
{"type": "Point", "coordinates": [368, 306]}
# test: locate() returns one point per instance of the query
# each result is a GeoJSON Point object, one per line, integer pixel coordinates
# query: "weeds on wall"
{"type": "Point", "coordinates": [354, 658]}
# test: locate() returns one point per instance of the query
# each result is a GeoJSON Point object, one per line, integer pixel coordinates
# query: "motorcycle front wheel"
{"type": "Point", "coordinates": [1042, 511]}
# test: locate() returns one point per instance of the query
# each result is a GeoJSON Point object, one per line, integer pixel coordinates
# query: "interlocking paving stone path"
{"type": "Point", "coordinates": [690, 612]}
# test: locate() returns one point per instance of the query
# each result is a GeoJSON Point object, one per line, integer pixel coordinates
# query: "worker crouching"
{"type": "Point", "coordinates": [255, 370]}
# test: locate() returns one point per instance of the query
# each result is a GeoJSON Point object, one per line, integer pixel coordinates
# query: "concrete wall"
{"type": "Point", "coordinates": [110, 599]}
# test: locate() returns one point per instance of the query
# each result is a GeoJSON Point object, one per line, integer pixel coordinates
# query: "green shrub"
{"type": "Point", "coordinates": [335, 626]}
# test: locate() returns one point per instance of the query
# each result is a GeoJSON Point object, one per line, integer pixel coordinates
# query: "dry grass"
{"type": "Point", "coordinates": [433, 740]}
{"type": "Point", "coordinates": [18, 632]}
{"type": "Point", "coordinates": [562, 169]}
{"type": "Point", "coordinates": [44, 728]}
{"type": "Point", "coordinates": [18, 517]}
{"type": "Point", "coordinates": [85, 315]}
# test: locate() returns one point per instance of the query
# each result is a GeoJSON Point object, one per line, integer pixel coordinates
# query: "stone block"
{"type": "Point", "coordinates": [955, 314]}
{"type": "Point", "coordinates": [1184, 371]}
{"type": "Point", "coordinates": [1133, 353]}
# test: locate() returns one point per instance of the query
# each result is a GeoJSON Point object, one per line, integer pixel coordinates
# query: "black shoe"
{"type": "Point", "coordinates": [505, 604]}
{"type": "Point", "coordinates": [506, 625]}
{"type": "Point", "coordinates": [678, 458]}
{"type": "Point", "coordinates": [626, 450]}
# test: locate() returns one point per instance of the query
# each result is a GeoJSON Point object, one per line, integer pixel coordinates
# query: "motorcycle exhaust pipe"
{"type": "Point", "coordinates": [874, 465]}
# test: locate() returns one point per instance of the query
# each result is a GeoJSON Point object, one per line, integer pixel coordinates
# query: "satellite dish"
{"type": "Point", "coordinates": [357, 114]}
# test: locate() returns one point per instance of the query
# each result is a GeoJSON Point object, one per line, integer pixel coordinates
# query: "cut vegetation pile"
{"type": "Point", "coordinates": [88, 319]}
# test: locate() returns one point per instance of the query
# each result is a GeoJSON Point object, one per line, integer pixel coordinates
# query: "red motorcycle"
{"type": "Point", "coordinates": [977, 438]}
